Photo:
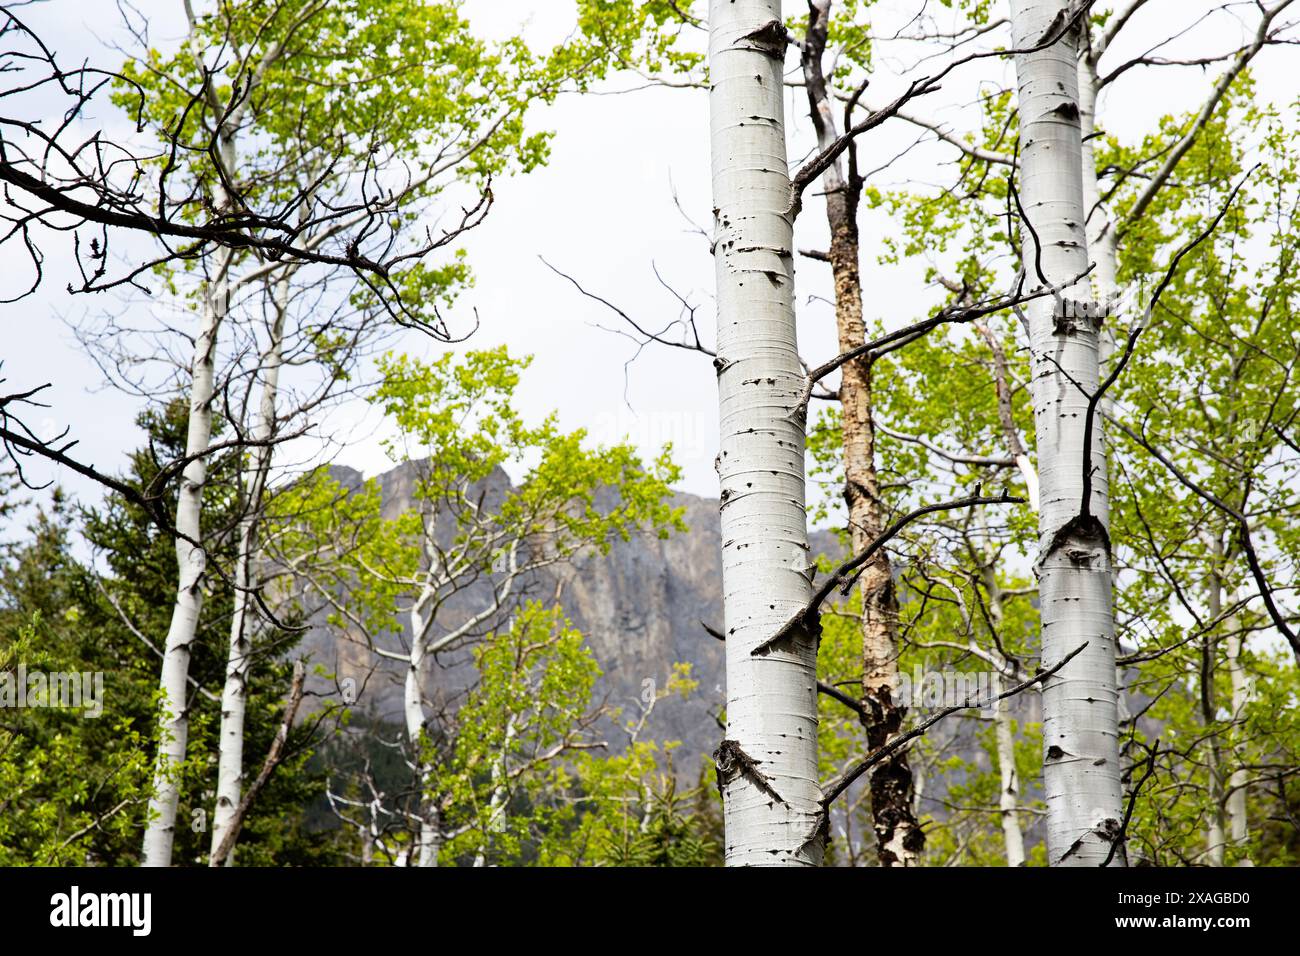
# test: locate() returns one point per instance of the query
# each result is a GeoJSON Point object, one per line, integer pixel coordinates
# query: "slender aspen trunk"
{"type": "Point", "coordinates": [1228, 824]}
{"type": "Point", "coordinates": [430, 838]}
{"type": "Point", "coordinates": [899, 837]}
{"type": "Point", "coordinates": [1102, 230]}
{"type": "Point", "coordinates": [1013, 838]}
{"type": "Point", "coordinates": [191, 563]}
{"type": "Point", "coordinates": [1080, 703]}
{"type": "Point", "coordinates": [1214, 828]}
{"type": "Point", "coordinates": [497, 802]}
{"type": "Point", "coordinates": [767, 766]}
{"type": "Point", "coordinates": [367, 846]}
{"type": "Point", "coordinates": [1238, 820]}
{"type": "Point", "coordinates": [230, 761]}
{"type": "Point", "coordinates": [1006, 415]}
{"type": "Point", "coordinates": [1103, 235]}
{"type": "Point", "coordinates": [430, 835]}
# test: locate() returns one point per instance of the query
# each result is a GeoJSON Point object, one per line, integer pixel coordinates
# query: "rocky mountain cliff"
{"type": "Point", "coordinates": [642, 608]}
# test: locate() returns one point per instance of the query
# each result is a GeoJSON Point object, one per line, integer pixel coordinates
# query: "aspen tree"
{"type": "Point", "coordinates": [1080, 703]}
{"type": "Point", "coordinates": [767, 765]}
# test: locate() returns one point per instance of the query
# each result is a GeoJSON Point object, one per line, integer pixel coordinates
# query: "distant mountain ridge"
{"type": "Point", "coordinates": [642, 608]}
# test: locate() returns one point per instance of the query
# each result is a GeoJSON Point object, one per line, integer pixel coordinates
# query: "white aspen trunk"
{"type": "Point", "coordinates": [430, 835]}
{"type": "Point", "coordinates": [367, 846]}
{"type": "Point", "coordinates": [191, 562]}
{"type": "Point", "coordinates": [1238, 820]}
{"type": "Point", "coordinates": [1013, 838]}
{"type": "Point", "coordinates": [371, 832]}
{"type": "Point", "coordinates": [1006, 417]}
{"type": "Point", "coordinates": [1214, 839]}
{"type": "Point", "coordinates": [1080, 703]}
{"type": "Point", "coordinates": [230, 761]}
{"type": "Point", "coordinates": [1102, 231]}
{"type": "Point", "coordinates": [1220, 823]}
{"type": "Point", "coordinates": [647, 810]}
{"type": "Point", "coordinates": [1029, 475]}
{"type": "Point", "coordinates": [497, 802]}
{"type": "Point", "coordinates": [430, 839]}
{"type": "Point", "coordinates": [1228, 824]}
{"type": "Point", "coordinates": [1103, 236]}
{"type": "Point", "coordinates": [768, 764]}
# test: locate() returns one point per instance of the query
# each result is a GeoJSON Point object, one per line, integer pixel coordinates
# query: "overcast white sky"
{"type": "Point", "coordinates": [602, 211]}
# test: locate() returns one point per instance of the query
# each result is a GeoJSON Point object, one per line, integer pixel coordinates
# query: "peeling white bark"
{"type": "Point", "coordinates": [1080, 703]}
{"type": "Point", "coordinates": [771, 790]}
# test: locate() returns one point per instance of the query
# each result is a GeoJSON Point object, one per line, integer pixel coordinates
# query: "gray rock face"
{"type": "Point", "coordinates": [642, 608]}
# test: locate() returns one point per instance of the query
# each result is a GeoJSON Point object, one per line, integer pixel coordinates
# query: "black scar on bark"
{"type": "Point", "coordinates": [1088, 311]}
{"type": "Point", "coordinates": [892, 780]}
{"type": "Point", "coordinates": [1067, 110]}
{"type": "Point", "coordinates": [1085, 528]}
{"type": "Point", "coordinates": [730, 759]}
{"type": "Point", "coordinates": [1110, 830]}
{"type": "Point", "coordinates": [772, 35]}
{"type": "Point", "coordinates": [1074, 848]}
{"type": "Point", "coordinates": [805, 624]}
